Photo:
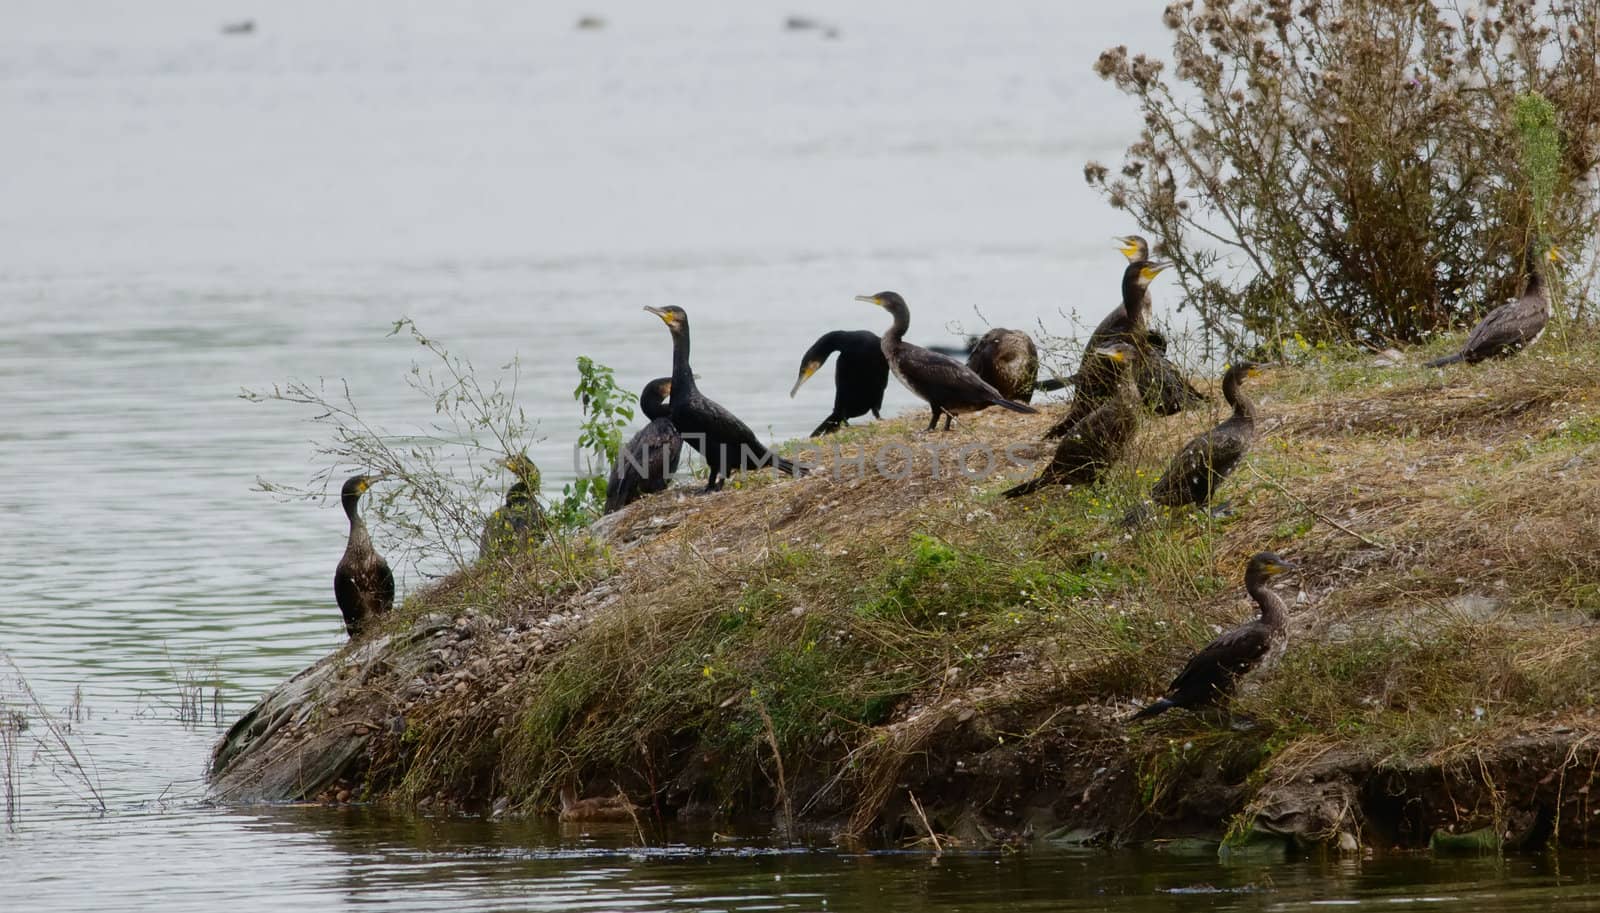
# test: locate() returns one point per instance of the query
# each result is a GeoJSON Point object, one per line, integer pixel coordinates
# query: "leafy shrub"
{"type": "Point", "coordinates": [1360, 170]}
{"type": "Point", "coordinates": [607, 409]}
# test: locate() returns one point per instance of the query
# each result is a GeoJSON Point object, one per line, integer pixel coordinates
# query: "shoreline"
{"type": "Point", "coordinates": [817, 651]}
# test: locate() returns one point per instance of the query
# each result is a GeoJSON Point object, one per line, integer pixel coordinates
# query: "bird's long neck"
{"type": "Point", "coordinates": [1273, 612]}
{"type": "Point", "coordinates": [1233, 392]}
{"type": "Point", "coordinates": [1533, 276]}
{"type": "Point", "coordinates": [651, 403]}
{"type": "Point", "coordinates": [902, 322]}
{"type": "Point", "coordinates": [682, 374]}
{"type": "Point", "coordinates": [359, 540]}
{"type": "Point", "coordinates": [1135, 296]}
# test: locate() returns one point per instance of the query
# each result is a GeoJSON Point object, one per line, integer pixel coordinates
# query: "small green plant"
{"type": "Point", "coordinates": [607, 409]}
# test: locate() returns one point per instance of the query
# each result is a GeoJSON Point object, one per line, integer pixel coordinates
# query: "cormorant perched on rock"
{"type": "Point", "coordinates": [363, 585]}
{"type": "Point", "coordinates": [1009, 361]}
{"type": "Point", "coordinates": [1103, 435]}
{"type": "Point", "coordinates": [859, 376]}
{"type": "Point", "coordinates": [1212, 674]}
{"type": "Point", "coordinates": [727, 444]}
{"type": "Point", "coordinates": [1160, 382]}
{"type": "Point", "coordinates": [1509, 328]}
{"type": "Point", "coordinates": [1195, 472]}
{"type": "Point", "coordinates": [949, 387]}
{"type": "Point", "coordinates": [648, 460]}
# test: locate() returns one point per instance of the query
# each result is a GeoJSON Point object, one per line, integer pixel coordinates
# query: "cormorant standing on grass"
{"type": "Point", "coordinates": [1103, 435]}
{"type": "Point", "coordinates": [860, 375]}
{"type": "Point", "coordinates": [949, 387]}
{"type": "Point", "coordinates": [1009, 361]}
{"type": "Point", "coordinates": [363, 585]}
{"type": "Point", "coordinates": [1160, 382]}
{"type": "Point", "coordinates": [727, 444]}
{"type": "Point", "coordinates": [646, 463]}
{"type": "Point", "coordinates": [1201, 466]}
{"type": "Point", "coordinates": [1214, 672]}
{"type": "Point", "coordinates": [1509, 328]}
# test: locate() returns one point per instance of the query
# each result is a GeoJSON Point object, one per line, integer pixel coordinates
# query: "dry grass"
{"type": "Point", "coordinates": [808, 638]}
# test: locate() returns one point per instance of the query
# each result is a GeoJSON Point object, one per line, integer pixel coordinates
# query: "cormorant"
{"type": "Point", "coordinates": [1103, 435]}
{"type": "Point", "coordinates": [515, 525]}
{"type": "Point", "coordinates": [1009, 361]}
{"type": "Point", "coordinates": [363, 585]}
{"type": "Point", "coordinates": [949, 387]}
{"type": "Point", "coordinates": [1212, 674]}
{"type": "Point", "coordinates": [727, 444]}
{"type": "Point", "coordinates": [1160, 381]}
{"type": "Point", "coordinates": [650, 457]}
{"type": "Point", "coordinates": [1507, 329]}
{"type": "Point", "coordinates": [859, 376]}
{"type": "Point", "coordinates": [1201, 466]}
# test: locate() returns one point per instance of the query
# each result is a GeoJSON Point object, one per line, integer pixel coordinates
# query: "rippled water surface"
{"type": "Point", "coordinates": [187, 214]}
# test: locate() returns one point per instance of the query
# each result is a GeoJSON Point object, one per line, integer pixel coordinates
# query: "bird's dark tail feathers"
{"type": "Point", "coordinates": [829, 425]}
{"type": "Point", "coordinates": [1447, 360]}
{"type": "Point", "coordinates": [1016, 407]}
{"type": "Point", "coordinates": [1159, 707]}
{"type": "Point", "coordinates": [789, 466]}
{"type": "Point", "coordinates": [1026, 488]}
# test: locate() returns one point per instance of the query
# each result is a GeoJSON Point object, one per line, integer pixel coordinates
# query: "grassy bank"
{"type": "Point", "coordinates": [827, 647]}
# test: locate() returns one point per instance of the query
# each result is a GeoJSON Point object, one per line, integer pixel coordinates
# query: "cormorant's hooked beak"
{"type": "Point", "coordinates": [1154, 269]}
{"type": "Point", "coordinates": [806, 370]}
{"type": "Point", "coordinates": [1126, 244]}
{"type": "Point", "coordinates": [664, 314]}
{"type": "Point", "coordinates": [1113, 354]}
{"type": "Point", "coordinates": [870, 299]}
{"type": "Point", "coordinates": [1282, 567]}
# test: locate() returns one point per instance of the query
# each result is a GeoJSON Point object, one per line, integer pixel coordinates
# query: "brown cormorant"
{"type": "Point", "coordinates": [1212, 674]}
{"type": "Point", "coordinates": [949, 387]}
{"type": "Point", "coordinates": [1101, 437]}
{"type": "Point", "coordinates": [515, 525]}
{"type": "Point", "coordinates": [646, 463]}
{"type": "Point", "coordinates": [1201, 466]}
{"type": "Point", "coordinates": [859, 376]}
{"type": "Point", "coordinates": [1009, 361]}
{"type": "Point", "coordinates": [1161, 383]}
{"type": "Point", "coordinates": [727, 444]}
{"type": "Point", "coordinates": [363, 585]}
{"type": "Point", "coordinates": [1507, 329]}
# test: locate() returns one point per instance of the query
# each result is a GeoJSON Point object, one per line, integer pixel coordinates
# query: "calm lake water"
{"type": "Point", "coordinates": [187, 214]}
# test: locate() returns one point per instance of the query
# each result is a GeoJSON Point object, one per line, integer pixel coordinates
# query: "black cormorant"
{"type": "Point", "coordinates": [1009, 361]}
{"type": "Point", "coordinates": [949, 387]}
{"type": "Point", "coordinates": [363, 585]}
{"type": "Point", "coordinates": [1507, 329]}
{"type": "Point", "coordinates": [727, 444]}
{"type": "Point", "coordinates": [1101, 437]}
{"type": "Point", "coordinates": [1194, 474]}
{"type": "Point", "coordinates": [646, 463]}
{"type": "Point", "coordinates": [1212, 674]}
{"type": "Point", "coordinates": [860, 375]}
